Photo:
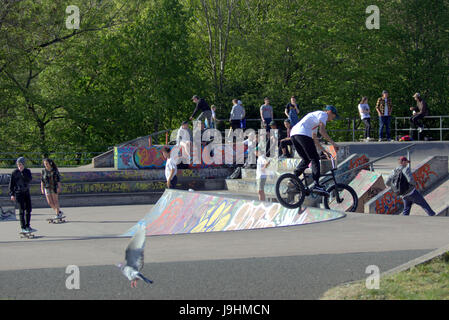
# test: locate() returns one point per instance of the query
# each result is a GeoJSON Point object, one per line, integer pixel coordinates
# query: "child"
{"type": "Point", "coordinates": [261, 173]}
{"type": "Point", "coordinates": [51, 185]}
{"type": "Point", "coordinates": [19, 190]}
{"type": "Point", "coordinates": [170, 168]}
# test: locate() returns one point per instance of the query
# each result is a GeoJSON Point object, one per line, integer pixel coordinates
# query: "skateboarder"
{"type": "Point", "coordinates": [19, 190]}
{"type": "Point", "coordinates": [51, 185]}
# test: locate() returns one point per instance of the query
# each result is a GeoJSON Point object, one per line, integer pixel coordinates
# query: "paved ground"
{"type": "Point", "coordinates": [283, 263]}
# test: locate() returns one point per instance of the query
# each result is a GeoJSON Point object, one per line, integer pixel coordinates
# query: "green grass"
{"type": "Point", "coordinates": [427, 281]}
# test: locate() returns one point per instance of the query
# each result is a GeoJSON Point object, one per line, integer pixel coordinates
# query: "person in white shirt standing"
{"type": "Point", "coordinates": [365, 116]}
{"type": "Point", "coordinates": [261, 173]}
{"type": "Point", "coordinates": [302, 138]}
{"type": "Point", "coordinates": [171, 168]}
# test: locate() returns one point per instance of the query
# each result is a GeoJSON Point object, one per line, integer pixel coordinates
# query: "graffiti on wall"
{"type": "Point", "coordinates": [423, 175]}
{"type": "Point", "coordinates": [389, 203]}
{"type": "Point", "coordinates": [190, 212]}
{"type": "Point", "coordinates": [151, 157]}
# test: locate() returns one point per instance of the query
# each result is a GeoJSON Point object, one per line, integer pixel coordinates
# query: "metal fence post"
{"type": "Point", "coordinates": [353, 130]}
{"type": "Point", "coordinates": [441, 128]}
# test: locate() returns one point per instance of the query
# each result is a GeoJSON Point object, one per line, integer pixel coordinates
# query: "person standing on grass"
{"type": "Point", "coordinates": [51, 185]}
{"type": "Point", "coordinates": [171, 168]}
{"type": "Point", "coordinates": [19, 191]}
{"type": "Point", "coordinates": [402, 182]}
{"type": "Point", "coordinates": [365, 116]}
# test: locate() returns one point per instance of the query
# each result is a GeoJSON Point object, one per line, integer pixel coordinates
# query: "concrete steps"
{"type": "Point", "coordinates": [119, 187]}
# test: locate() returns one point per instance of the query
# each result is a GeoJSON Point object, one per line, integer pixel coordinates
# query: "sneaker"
{"type": "Point", "coordinates": [380, 140]}
{"type": "Point", "coordinates": [24, 230]}
{"type": "Point", "coordinates": [30, 230]}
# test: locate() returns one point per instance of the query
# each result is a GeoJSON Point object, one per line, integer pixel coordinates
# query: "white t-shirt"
{"type": "Point", "coordinates": [309, 123]}
{"type": "Point", "coordinates": [364, 107]}
{"type": "Point", "coordinates": [261, 172]}
{"type": "Point", "coordinates": [170, 164]}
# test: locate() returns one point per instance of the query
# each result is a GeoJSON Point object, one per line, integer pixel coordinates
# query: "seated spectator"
{"type": "Point", "coordinates": [419, 112]}
{"type": "Point", "coordinates": [286, 141]}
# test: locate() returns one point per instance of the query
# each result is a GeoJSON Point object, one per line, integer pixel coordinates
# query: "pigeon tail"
{"type": "Point", "coordinates": [141, 276]}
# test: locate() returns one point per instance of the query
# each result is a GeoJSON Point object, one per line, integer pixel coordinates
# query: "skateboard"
{"type": "Point", "coordinates": [56, 220]}
{"type": "Point", "coordinates": [28, 235]}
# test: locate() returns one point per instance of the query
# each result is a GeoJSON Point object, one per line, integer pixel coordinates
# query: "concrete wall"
{"type": "Point", "coordinates": [106, 160]}
{"type": "Point", "coordinates": [426, 174]}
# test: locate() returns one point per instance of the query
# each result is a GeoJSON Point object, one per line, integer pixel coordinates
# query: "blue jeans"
{"type": "Point", "coordinates": [384, 121]}
{"type": "Point", "coordinates": [417, 198]}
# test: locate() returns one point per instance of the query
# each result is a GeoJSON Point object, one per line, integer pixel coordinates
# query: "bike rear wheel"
{"type": "Point", "coordinates": [290, 191]}
{"type": "Point", "coordinates": [347, 198]}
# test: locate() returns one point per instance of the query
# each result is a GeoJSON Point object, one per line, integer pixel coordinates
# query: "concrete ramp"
{"type": "Point", "coordinates": [367, 184]}
{"type": "Point", "coordinates": [192, 212]}
{"type": "Point", "coordinates": [437, 199]}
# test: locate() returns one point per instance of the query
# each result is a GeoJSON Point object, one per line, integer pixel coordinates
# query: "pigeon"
{"type": "Point", "coordinates": [134, 258]}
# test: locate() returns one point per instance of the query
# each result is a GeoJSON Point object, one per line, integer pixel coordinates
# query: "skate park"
{"type": "Point", "coordinates": [217, 241]}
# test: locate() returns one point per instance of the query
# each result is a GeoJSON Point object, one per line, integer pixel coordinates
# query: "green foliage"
{"type": "Point", "coordinates": [132, 67]}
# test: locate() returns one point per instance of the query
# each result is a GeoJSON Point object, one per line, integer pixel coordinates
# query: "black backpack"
{"type": "Point", "coordinates": [399, 183]}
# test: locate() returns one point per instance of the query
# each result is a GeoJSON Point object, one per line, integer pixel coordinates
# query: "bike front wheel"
{"type": "Point", "coordinates": [341, 197]}
{"type": "Point", "coordinates": [290, 191]}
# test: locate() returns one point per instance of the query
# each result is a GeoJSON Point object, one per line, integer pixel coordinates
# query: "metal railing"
{"type": "Point", "coordinates": [410, 130]}
{"type": "Point", "coordinates": [371, 163]}
{"type": "Point", "coordinates": [354, 125]}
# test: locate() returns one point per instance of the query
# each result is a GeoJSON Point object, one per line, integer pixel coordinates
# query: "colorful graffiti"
{"type": "Point", "coordinates": [189, 212]}
{"type": "Point", "coordinates": [151, 157]}
{"type": "Point", "coordinates": [423, 175]}
{"type": "Point", "coordinates": [389, 203]}
{"type": "Point", "coordinates": [358, 162]}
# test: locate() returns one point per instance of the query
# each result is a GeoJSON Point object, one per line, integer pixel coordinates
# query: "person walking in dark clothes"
{"type": "Point", "coordinates": [19, 190]}
{"type": "Point", "coordinates": [411, 195]}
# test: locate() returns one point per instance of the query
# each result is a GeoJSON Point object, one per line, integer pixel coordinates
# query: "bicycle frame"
{"type": "Point", "coordinates": [331, 176]}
